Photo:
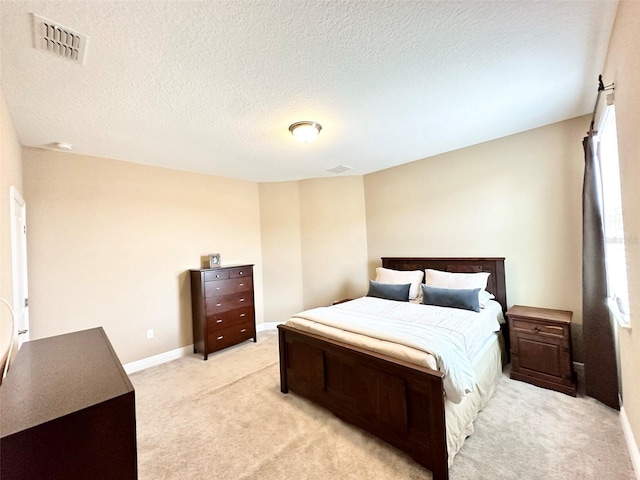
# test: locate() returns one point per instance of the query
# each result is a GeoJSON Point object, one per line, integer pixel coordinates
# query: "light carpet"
{"type": "Point", "coordinates": [226, 419]}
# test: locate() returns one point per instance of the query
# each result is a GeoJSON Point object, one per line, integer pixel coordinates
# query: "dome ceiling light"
{"type": "Point", "coordinates": [305, 131]}
{"type": "Point", "coordinates": [63, 146]}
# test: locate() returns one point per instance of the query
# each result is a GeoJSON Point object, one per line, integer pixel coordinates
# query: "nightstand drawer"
{"type": "Point", "coordinates": [537, 356]}
{"type": "Point", "coordinates": [542, 328]}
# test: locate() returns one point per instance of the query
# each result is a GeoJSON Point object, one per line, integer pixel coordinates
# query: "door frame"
{"type": "Point", "coordinates": [18, 241]}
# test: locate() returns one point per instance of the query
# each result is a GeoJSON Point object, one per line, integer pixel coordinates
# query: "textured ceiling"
{"type": "Point", "coordinates": [212, 87]}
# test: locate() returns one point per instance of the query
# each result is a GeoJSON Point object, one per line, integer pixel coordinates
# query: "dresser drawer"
{"type": "Point", "coordinates": [222, 320]}
{"type": "Point", "coordinates": [230, 336]}
{"type": "Point", "coordinates": [541, 328]}
{"type": "Point", "coordinates": [225, 287]}
{"type": "Point", "coordinates": [228, 302]}
{"type": "Point", "coordinates": [216, 275]}
{"type": "Point", "coordinates": [240, 272]}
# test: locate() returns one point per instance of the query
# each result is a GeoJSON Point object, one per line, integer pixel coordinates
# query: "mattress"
{"type": "Point", "coordinates": [443, 339]}
{"type": "Point", "coordinates": [485, 352]}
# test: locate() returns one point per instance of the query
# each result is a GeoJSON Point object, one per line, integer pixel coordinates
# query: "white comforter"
{"type": "Point", "coordinates": [452, 336]}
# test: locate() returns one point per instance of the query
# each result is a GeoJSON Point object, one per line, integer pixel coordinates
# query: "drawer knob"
{"type": "Point", "coordinates": [241, 273]}
{"type": "Point", "coordinates": [243, 330]}
{"type": "Point", "coordinates": [242, 284]}
{"type": "Point", "coordinates": [218, 321]}
{"type": "Point", "coordinates": [217, 276]}
{"type": "Point", "coordinates": [220, 337]}
{"type": "Point", "coordinates": [537, 329]}
{"type": "Point", "coordinates": [242, 314]}
{"type": "Point", "coordinates": [242, 299]}
{"type": "Point", "coordinates": [217, 288]}
{"type": "Point", "coordinates": [218, 304]}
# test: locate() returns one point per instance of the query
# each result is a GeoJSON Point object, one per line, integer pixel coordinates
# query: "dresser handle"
{"type": "Point", "coordinates": [242, 314]}
{"type": "Point", "coordinates": [537, 329]}
{"type": "Point", "coordinates": [217, 276]}
{"type": "Point", "coordinates": [218, 321]}
{"type": "Point", "coordinates": [218, 304]}
{"type": "Point", "coordinates": [243, 330]}
{"type": "Point", "coordinates": [242, 299]}
{"type": "Point", "coordinates": [220, 337]}
{"type": "Point", "coordinates": [242, 284]}
{"type": "Point", "coordinates": [240, 273]}
{"type": "Point", "coordinates": [217, 288]}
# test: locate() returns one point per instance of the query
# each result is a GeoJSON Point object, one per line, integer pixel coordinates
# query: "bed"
{"type": "Point", "coordinates": [398, 401]}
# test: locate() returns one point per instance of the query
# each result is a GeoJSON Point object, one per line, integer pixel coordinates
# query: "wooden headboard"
{"type": "Point", "coordinates": [495, 266]}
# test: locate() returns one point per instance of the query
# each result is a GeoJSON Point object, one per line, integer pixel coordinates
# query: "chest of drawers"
{"type": "Point", "coordinates": [68, 411]}
{"type": "Point", "coordinates": [541, 347]}
{"type": "Point", "coordinates": [222, 307]}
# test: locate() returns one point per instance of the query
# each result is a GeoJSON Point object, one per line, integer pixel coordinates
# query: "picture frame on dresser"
{"type": "Point", "coordinates": [222, 302]}
{"type": "Point", "coordinates": [214, 260]}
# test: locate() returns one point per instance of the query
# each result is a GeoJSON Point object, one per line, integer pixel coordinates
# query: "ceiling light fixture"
{"type": "Point", "coordinates": [63, 146]}
{"type": "Point", "coordinates": [306, 131]}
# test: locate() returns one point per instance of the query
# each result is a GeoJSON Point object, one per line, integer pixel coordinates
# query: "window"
{"type": "Point", "coordinates": [615, 259]}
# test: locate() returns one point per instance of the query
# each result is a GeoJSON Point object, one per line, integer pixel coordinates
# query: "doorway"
{"type": "Point", "coordinates": [19, 264]}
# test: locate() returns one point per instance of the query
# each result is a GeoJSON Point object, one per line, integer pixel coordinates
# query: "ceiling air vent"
{"type": "Point", "coordinates": [340, 169]}
{"type": "Point", "coordinates": [61, 41]}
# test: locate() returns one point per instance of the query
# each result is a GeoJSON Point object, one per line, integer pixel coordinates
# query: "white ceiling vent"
{"type": "Point", "coordinates": [340, 169]}
{"type": "Point", "coordinates": [61, 41]}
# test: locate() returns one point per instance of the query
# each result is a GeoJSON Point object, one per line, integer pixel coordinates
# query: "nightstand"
{"type": "Point", "coordinates": [541, 348]}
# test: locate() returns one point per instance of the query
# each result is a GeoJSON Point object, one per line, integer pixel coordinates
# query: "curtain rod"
{"type": "Point", "coordinates": [601, 88]}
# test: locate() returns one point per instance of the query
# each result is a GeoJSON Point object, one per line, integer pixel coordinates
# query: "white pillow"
{"type": "Point", "coordinates": [436, 278]}
{"type": "Point", "coordinates": [484, 297]}
{"type": "Point", "coordinates": [414, 277]}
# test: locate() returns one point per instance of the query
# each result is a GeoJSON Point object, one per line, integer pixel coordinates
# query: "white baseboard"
{"type": "Point", "coordinates": [180, 352]}
{"type": "Point", "coordinates": [158, 359]}
{"type": "Point", "coordinates": [631, 442]}
{"type": "Point", "coordinates": [261, 327]}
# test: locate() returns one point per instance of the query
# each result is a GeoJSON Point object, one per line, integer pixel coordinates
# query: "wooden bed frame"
{"type": "Point", "coordinates": [399, 402]}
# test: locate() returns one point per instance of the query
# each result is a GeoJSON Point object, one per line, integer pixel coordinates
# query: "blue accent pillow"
{"type": "Point", "coordinates": [389, 291]}
{"type": "Point", "coordinates": [466, 299]}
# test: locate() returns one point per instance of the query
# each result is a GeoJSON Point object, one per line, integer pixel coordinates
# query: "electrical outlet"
{"type": "Point", "coordinates": [150, 334]}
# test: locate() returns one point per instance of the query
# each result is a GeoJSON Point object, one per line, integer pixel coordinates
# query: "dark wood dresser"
{"type": "Point", "coordinates": [541, 347]}
{"type": "Point", "coordinates": [223, 310]}
{"type": "Point", "coordinates": [68, 412]}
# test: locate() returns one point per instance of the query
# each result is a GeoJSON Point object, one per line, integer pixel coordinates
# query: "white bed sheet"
{"type": "Point", "coordinates": [370, 322]}
{"type": "Point", "coordinates": [459, 417]}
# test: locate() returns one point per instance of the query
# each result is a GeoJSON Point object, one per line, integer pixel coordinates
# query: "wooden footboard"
{"type": "Point", "coordinates": [398, 402]}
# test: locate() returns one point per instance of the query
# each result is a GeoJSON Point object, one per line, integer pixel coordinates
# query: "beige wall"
{"type": "Point", "coordinates": [623, 68]}
{"type": "Point", "coordinates": [334, 239]}
{"type": "Point", "coordinates": [10, 174]}
{"type": "Point", "coordinates": [313, 243]}
{"type": "Point", "coordinates": [517, 197]}
{"type": "Point", "coordinates": [281, 250]}
{"type": "Point", "coordinates": [110, 243]}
